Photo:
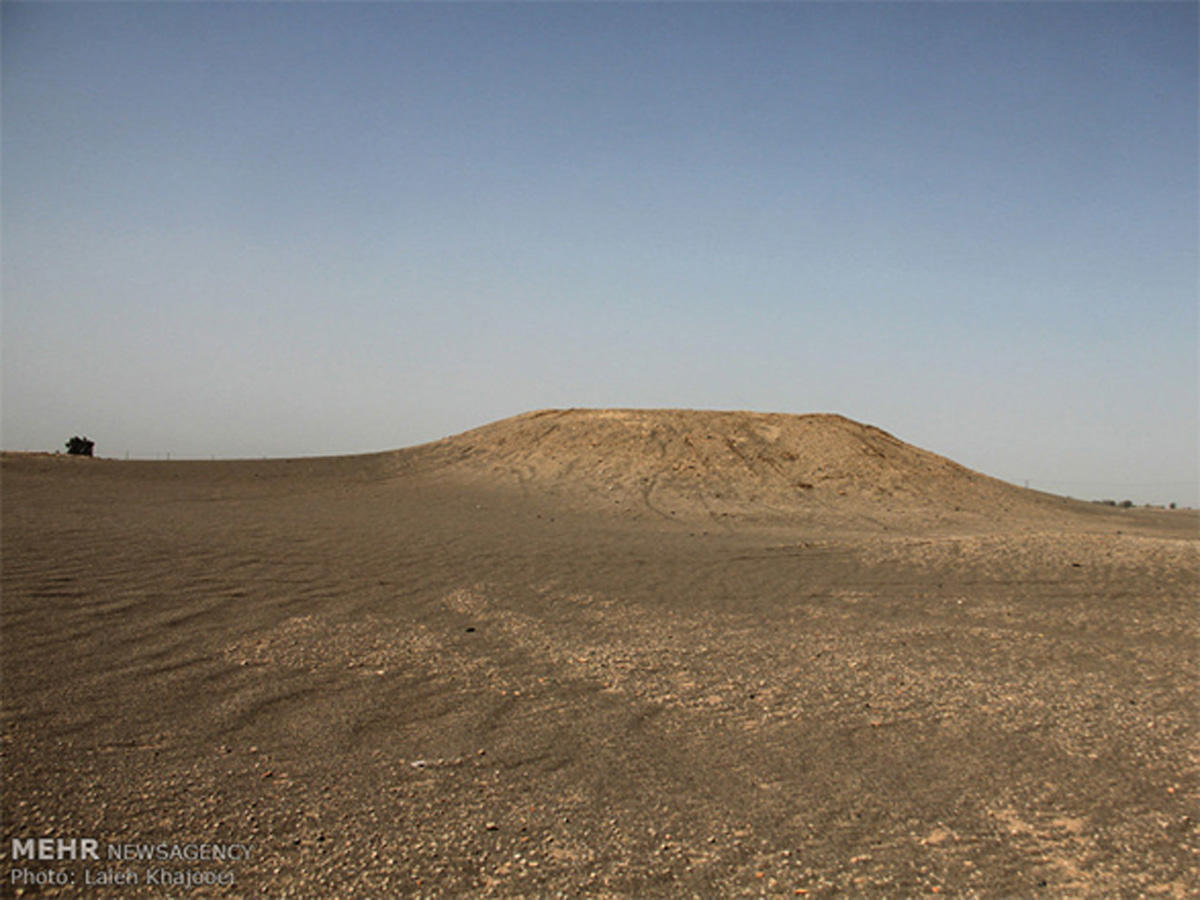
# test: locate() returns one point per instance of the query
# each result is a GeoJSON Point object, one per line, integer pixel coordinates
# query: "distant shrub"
{"type": "Point", "coordinates": [1171, 505]}
{"type": "Point", "coordinates": [1107, 502]}
{"type": "Point", "coordinates": [1126, 504]}
{"type": "Point", "coordinates": [80, 446]}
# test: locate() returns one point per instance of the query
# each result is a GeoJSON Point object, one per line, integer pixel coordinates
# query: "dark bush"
{"type": "Point", "coordinates": [1126, 504]}
{"type": "Point", "coordinates": [80, 446]}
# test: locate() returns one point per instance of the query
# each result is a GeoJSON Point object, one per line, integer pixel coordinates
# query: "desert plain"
{"type": "Point", "coordinates": [612, 653]}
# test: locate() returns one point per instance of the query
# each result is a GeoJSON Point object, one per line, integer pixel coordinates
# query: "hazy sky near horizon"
{"type": "Point", "coordinates": [256, 229]}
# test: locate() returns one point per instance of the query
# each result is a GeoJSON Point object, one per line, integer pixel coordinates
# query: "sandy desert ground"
{"type": "Point", "coordinates": [601, 653]}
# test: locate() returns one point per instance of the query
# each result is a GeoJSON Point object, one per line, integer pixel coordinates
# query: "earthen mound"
{"type": "Point", "coordinates": [676, 462]}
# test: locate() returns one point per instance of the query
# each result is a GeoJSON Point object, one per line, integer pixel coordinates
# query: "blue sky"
{"type": "Point", "coordinates": [284, 228]}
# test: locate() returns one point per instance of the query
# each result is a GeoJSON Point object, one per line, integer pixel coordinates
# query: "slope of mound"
{"type": "Point", "coordinates": [675, 462]}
